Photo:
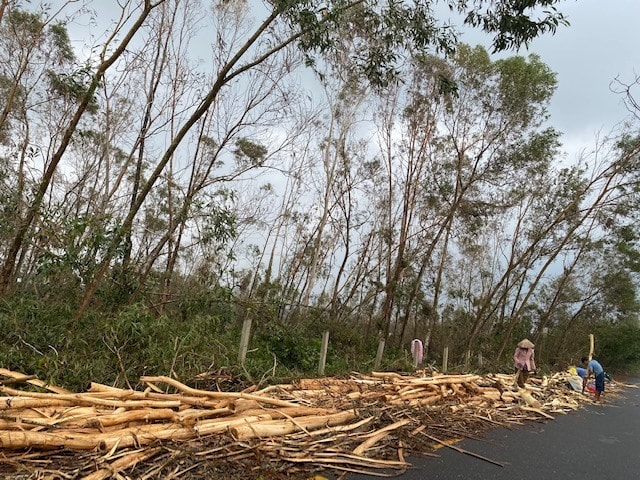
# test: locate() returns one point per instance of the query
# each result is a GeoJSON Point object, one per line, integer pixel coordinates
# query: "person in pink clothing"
{"type": "Point", "coordinates": [523, 361]}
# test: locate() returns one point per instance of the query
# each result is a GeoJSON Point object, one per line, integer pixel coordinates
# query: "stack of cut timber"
{"type": "Point", "coordinates": [443, 391]}
{"type": "Point", "coordinates": [335, 423]}
{"type": "Point", "coordinates": [109, 418]}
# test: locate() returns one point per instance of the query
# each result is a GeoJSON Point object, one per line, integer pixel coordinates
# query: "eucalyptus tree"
{"type": "Point", "coordinates": [470, 141]}
{"type": "Point", "coordinates": [385, 31]}
{"type": "Point", "coordinates": [40, 80]}
{"type": "Point", "coordinates": [80, 89]}
{"type": "Point", "coordinates": [406, 164]}
{"type": "Point", "coordinates": [586, 218]}
{"type": "Point", "coordinates": [335, 165]}
{"type": "Point", "coordinates": [318, 268]}
{"type": "Point", "coordinates": [601, 271]}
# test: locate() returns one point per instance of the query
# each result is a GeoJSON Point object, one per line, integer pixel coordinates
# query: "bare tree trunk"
{"type": "Point", "coordinates": [225, 75]}
{"type": "Point", "coordinates": [3, 7]}
{"type": "Point", "coordinates": [588, 216]}
{"type": "Point", "coordinates": [8, 266]}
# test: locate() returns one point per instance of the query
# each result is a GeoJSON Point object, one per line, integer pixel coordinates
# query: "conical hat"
{"type": "Point", "coordinates": [525, 344]}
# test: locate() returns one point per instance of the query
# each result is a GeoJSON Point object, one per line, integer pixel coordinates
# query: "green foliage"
{"type": "Point", "coordinates": [74, 248]}
{"type": "Point", "coordinates": [202, 335]}
{"type": "Point", "coordinates": [140, 342]}
{"type": "Point", "coordinates": [292, 349]}
{"type": "Point", "coordinates": [28, 25]}
{"type": "Point", "coordinates": [28, 43]}
{"type": "Point", "coordinates": [383, 34]}
{"type": "Point", "coordinates": [220, 227]}
{"type": "Point", "coordinates": [74, 86]}
{"type": "Point", "coordinates": [12, 96]}
{"type": "Point", "coordinates": [34, 339]}
{"type": "Point", "coordinates": [197, 300]}
{"type": "Point", "coordinates": [513, 23]}
{"type": "Point", "coordinates": [116, 349]}
{"type": "Point", "coordinates": [30, 28]}
{"type": "Point", "coordinates": [291, 346]}
{"type": "Point", "coordinates": [249, 153]}
{"type": "Point", "coordinates": [61, 42]}
{"type": "Point", "coordinates": [618, 346]}
{"type": "Point", "coordinates": [526, 88]}
{"type": "Point", "coordinates": [619, 295]}
{"type": "Point", "coordinates": [8, 197]}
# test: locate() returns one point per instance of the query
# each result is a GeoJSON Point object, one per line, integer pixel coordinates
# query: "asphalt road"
{"type": "Point", "coordinates": [599, 442]}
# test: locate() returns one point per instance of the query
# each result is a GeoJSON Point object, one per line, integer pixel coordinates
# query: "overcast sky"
{"type": "Point", "coordinates": [602, 43]}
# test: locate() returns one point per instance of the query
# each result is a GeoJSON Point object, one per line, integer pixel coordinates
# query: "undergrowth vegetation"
{"type": "Point", "coordinates": [203, 338]}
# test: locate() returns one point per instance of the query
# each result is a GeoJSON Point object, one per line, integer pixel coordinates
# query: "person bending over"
{"type": "Point", "coordinates": [523, 361]}
{"type": "Point", "coordinates": [593, 368]}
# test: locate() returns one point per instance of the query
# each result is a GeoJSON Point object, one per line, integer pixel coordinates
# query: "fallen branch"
{"type": "Point", "coordinates": [461, 450]}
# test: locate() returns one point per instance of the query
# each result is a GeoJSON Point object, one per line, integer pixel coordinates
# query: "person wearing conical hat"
{"type": "Point", "coordinates": [523, 361]}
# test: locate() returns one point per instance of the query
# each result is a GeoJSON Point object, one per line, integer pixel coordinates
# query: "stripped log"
{"type": "Point", "coordinates": [220, 395]}
{"type": "Point", "coordinates": [13, 381]}
{"type": "Point", "coordinates": [127, 437]}
{"type": "Point", "coordinates": [375, 437]}
{"type": "Point", "coordinates": [103, 391]}
{"type": "Point", "coordinates": [271, 428]}
{"type": "Point", "coordinates": [34, 382]}
{"type": "Point", "coordinates": [85, 399]}
{"type": "Point", "coordinates": [528, 398]}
